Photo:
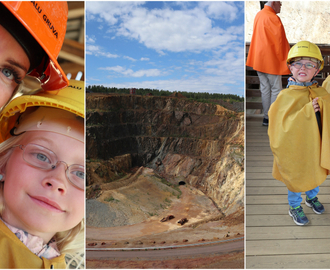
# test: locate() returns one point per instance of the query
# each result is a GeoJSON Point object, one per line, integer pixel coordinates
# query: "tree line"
{"type": "Point", "coordinates": [155, 92]}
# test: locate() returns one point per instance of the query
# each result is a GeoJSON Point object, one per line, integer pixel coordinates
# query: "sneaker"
{"type": "Point", "coordinates": [265, 122]}
{"type": "Point", "coordinates": [317, 207]}
{"type": "Point", "coordinates": [298, 215]}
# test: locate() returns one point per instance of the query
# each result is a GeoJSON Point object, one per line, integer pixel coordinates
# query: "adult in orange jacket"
{"type": "Point", "coordinates": [268, 53]}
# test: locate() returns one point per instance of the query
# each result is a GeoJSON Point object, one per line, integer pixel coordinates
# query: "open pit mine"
{"type": "Point", "coordinates": [163, 172]}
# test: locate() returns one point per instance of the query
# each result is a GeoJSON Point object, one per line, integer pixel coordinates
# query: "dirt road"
{"type": "Point", "coordinates": [219, 248]}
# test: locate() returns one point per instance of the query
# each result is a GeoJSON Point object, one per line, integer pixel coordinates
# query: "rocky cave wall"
{"type": "Point", "coordinates": [204, 143]}
{"type": "Point", "coordinates": [302, 20]}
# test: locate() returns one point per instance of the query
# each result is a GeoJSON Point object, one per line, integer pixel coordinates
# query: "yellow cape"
{"type": "Point", "coordinates": [301, 157]}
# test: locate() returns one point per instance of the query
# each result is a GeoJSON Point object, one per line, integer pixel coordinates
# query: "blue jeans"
{"type": "Point", "coordinates": [295, 198]}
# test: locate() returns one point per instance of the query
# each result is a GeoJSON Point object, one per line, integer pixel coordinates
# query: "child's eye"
{"type": "Point", "coordinates": [76, 175]}
{"type": "Point", "coordinates": [42, 157]}
{"type": "Point", "coordinates": [309, 65]}
{"type": "Point", "coordinates": [79, 174]}
{"type": "Point", "coordinates": [298, 64]}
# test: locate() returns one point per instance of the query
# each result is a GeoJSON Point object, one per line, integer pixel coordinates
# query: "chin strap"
{"type": "Point", "coordinates": [12, 131]}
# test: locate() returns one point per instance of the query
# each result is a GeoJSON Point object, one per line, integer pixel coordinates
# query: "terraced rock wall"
{"type": "Point", "coordinates": [179, 138]}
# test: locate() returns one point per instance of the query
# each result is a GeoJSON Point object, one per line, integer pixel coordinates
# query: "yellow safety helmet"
{"type": "Point", "coordinates": [305, 49]}
{"type": "Point", "coordinates": [71, 101]}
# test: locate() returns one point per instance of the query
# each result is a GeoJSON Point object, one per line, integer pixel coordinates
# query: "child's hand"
{"type": "Point", "coordinates": [316, 105]}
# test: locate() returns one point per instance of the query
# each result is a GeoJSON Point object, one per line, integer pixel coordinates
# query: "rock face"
{"type": "Point", "coordinates": [182, 140]}
{"type": "Point", "coordinates": [303, 20]}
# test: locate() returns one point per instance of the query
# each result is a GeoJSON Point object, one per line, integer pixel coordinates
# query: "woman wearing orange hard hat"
{"type": "Point", "coordinates": [32, 34]}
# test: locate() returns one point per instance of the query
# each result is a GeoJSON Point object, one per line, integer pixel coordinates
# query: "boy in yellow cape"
{"type": "Point", "coordinates": [301, 150]}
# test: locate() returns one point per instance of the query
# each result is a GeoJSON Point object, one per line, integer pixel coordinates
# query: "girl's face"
{"type": "Point", "coordinates": [14, 64]}
{"type": "Point", "coordinates": [38, 201]}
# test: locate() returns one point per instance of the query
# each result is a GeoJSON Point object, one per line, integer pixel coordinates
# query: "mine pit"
{"type": "Point", "coordinates": [152, 157]}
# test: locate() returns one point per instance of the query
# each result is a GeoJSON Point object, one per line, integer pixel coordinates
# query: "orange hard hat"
{"type": "Point", "coordinates": [40, 29]}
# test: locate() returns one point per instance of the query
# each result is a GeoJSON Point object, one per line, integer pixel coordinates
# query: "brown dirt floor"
{"type": "Point", "coordinates": [228, 261]}
{"type": "Point", "coordinates": [152, 232]}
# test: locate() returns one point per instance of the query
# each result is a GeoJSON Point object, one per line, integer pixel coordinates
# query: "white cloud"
{"type": "Point", "coordinates": [92, 48]}
{"type": "Point", "coordinates": [118, 69]}
{"type": "Point", "coordinates": [221, 75]}
{"type": "Point", "coordinates": [144, 59]}
{"type": "Point", "coordinates": [92, 79]}
{"type": "Point", "coordinates": [129, 58]}
{"type": "Point", "coordinates": [220, 10]}
{"type": "Point", "coordinates": [90, 39]}
{"type": "Point", "coordinates": [168, 29]}
{"type": "Point", "coordinates": [174, 30]}
{"type": "Point", "coordinates": [90, 17]}
{"type": "Point", "coordinates": [110, 11]}
{"type": "Point", "coordinates": [147, 73]}
{"type": "Point", "coordinates": [98, 51]}
{"type": "Point", "coordinates": [131, 73]}
{"type": "Point", "coordinates": [230, 65]}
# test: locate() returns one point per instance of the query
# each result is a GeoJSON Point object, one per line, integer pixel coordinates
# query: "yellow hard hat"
{"type": "Point", "coordinates": [305, 49]}
{"type": "Point", "coordinates": [70, 99]}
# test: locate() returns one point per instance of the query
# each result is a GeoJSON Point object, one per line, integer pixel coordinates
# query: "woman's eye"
{"type": "Point", "coordinates": [12, 75]}
{"type": "Point", "coordinates": [8, 73]}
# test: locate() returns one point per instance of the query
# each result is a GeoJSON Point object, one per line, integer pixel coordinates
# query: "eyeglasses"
{"type": "Point", "coordinates": [299, 65]}
{"type": "Point", "coordinates": [42, 158]}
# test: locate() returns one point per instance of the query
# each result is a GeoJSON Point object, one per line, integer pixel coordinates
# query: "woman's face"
{"type": "Point", "coordinates": [14, 65]}
{"type": "Point", "coordinates": [43, 202]}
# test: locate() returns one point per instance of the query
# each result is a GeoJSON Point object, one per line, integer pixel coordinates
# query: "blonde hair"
{"type": "Point", "coordinates": [70, 242]}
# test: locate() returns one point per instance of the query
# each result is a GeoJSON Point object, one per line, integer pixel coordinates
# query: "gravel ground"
{"type": "Point", "coordinates": [100, 215]}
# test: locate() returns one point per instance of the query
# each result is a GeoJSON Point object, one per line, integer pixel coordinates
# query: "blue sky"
{"type": "Point", "coordinates": [176, 46]}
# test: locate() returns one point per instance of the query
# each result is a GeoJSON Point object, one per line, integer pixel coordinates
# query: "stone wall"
{"type": "Point", "coordinates": [302, 20]}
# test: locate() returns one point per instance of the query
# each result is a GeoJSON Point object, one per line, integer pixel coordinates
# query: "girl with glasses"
{"type": "Point", "coordinates": [42, 180]}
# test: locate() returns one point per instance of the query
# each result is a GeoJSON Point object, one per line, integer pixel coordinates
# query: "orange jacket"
{"type": "Point", "coordinates": [269, 47]}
